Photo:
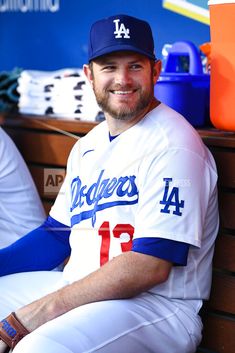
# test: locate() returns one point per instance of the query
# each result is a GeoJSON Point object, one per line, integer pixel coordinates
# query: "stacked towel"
{"type": "Point", "coordinates": [64, 93]}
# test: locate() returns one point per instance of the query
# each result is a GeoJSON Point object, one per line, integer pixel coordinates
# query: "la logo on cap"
{"type": "Point", "coordinates": [121, 31]}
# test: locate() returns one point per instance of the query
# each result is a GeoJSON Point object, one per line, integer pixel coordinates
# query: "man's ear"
{"type": "Point", "coordinates": [87, 71]}
{"type": "Point", "coordinates": [157, 70]}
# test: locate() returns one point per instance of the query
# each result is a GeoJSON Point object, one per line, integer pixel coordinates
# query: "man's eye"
{"type": "Point", "coordinates": [136, 67]}
{"type": "Point", "coordinates": [108, 68]}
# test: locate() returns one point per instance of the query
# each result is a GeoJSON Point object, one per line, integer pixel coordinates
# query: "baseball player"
{"type": "Point", "coordinates": [137, 213]}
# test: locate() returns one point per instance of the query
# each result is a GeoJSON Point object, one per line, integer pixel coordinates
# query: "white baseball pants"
{"type": "Point", "coordinates": [144, 324]}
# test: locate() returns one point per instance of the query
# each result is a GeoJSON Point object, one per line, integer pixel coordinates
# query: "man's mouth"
{"type": "Point", "coordinates": [122, 92]}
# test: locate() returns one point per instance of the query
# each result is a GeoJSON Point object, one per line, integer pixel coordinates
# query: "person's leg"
{"type": "Point", "coordinates": [20, 289]}
{"type": "Point", "coordinates": [145, 324]}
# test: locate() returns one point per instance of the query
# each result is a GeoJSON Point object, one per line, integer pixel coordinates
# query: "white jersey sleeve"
{"type": "Point", "coordinates": [174, 193]}
{"type": "Point", "coordinates": [21, 209]}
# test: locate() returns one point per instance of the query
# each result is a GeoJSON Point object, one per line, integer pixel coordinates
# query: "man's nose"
{"type": "Point", "coordinates": [123, 77]}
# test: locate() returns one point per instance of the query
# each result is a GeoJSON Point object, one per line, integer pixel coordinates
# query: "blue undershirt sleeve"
{"type": "Point", "coordinates": [170, 250]}
{"type": "Point", "coordinates": [44, 248]}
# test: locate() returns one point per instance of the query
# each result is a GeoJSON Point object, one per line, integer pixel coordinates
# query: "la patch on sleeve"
{"type": "Point", "coordinates": [171, 201]}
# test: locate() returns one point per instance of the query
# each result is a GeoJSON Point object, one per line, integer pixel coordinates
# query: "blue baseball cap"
{"type": "Point", "coordinates": [120, 33]}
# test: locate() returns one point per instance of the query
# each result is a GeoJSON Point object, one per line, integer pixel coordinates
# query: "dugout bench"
{"type": "Point", "coordinates": [45, 145]}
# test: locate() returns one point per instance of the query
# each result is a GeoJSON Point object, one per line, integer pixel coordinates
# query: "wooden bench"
{"type": "Point", "coordinates": [45, 145]}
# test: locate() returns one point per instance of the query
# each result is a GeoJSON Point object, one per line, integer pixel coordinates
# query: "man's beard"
{"type": "Point", "coordinates": [124, 112]}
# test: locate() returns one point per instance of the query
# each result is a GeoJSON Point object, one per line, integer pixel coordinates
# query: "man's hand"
{"type": "Point", "coordinates": [12, 330]}
{"type": "Point", "coordinates": [3, 347]}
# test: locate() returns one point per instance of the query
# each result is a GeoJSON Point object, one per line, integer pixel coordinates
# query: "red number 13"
{"type": "Point", "coordinates": [105, 233]}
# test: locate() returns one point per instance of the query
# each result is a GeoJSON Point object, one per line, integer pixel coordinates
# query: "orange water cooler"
{"type": "Point", "coordinates": [222, 85]}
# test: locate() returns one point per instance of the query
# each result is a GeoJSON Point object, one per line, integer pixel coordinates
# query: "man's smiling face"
{"type": "Point", "coordinates": [123, 83]}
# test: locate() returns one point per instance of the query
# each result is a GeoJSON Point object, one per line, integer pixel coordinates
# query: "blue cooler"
{"type": "Point", "coordinates": [186, 92]}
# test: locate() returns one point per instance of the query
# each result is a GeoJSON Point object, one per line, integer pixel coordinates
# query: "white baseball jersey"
{"type": "Point", "coordinates": [21, 209]}
{"type": "Point", "coordinates": [156, 179]}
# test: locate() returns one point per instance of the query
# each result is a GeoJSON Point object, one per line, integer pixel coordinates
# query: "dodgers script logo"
{"type": "Point", "coordinates": [96, 197]}
{"type": "Point", "coordinates": [122, 31]}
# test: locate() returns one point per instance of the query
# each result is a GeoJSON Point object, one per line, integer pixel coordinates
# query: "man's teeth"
{"type": "Point", "coordinates": [122, 92]}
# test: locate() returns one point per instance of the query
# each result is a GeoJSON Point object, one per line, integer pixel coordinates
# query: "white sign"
{"type": "Point", "coordinates": [29, 6]}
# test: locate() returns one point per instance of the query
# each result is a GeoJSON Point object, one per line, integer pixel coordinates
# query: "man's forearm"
{"type": "Point", "coordinates": [123, 277]}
